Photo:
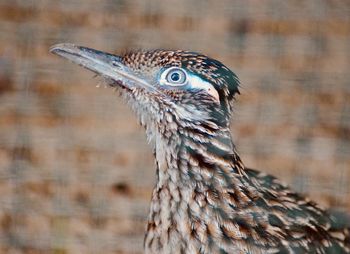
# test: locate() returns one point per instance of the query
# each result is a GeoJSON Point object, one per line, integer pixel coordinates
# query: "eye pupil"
{"type": "Point", "coordinates": [175, 76]}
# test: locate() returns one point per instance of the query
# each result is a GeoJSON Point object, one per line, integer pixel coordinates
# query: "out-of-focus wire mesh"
{"type": "Point", "coordinates": [76, 173]}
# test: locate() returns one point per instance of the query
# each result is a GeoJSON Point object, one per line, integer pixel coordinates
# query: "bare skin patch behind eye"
{"type": "Point", "coordinates": [196, 82]}
{"type": "Point", "coordinates": [212, 91]}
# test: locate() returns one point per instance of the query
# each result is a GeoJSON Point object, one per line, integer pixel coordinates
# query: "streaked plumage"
{"type": "Point", "coordinates": [205, 200]}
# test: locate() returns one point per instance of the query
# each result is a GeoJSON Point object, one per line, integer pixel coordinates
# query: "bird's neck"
{"type": "Point", "coordinates": [193, 170]}
{"type": "Point", "coordinates": [191, 156]}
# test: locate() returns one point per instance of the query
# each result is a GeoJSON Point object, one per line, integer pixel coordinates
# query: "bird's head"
{"type": "Point", "coordinates": [167, 89]}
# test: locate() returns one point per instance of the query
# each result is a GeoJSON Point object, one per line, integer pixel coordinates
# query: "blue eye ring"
{"type": "Point", "coordinates": [175, 76]}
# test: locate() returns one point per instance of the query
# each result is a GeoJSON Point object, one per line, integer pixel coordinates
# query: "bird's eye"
{"type": "Point", "coordinates": [176, 77]}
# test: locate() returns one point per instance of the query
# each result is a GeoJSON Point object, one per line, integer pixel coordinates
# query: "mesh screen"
{"type": "Point", "coordinates": [76, 172]}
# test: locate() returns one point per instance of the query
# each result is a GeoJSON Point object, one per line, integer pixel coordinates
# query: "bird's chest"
{"type": "Point", "coordinates": [178, 223]}
{"type": "Point", "coordinates": [169, 225]}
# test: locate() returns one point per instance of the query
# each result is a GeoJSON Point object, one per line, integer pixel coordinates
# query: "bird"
{"type": "Point", "coordinates": [205, 200]}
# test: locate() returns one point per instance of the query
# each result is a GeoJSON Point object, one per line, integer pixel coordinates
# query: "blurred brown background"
{"type": "Point", "coordinates": [76, 172]}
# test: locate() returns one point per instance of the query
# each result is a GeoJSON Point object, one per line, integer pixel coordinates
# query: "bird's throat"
{"type": "Point", "coordinates": [188, 157]}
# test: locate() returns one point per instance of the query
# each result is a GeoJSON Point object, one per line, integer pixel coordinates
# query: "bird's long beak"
{"type": "Point", "coordinates": [107, 65]}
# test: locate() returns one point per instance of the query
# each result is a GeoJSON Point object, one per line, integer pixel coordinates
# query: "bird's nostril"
{"type": "Point", "coordinates": [115, 63]}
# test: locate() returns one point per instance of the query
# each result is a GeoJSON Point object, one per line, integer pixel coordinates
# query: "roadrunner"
{"type": "Point", "coordinates": [205, 200]}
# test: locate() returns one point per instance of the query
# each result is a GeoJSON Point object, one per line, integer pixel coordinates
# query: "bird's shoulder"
{"type": "Point", "coordinates": [294, 216]}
